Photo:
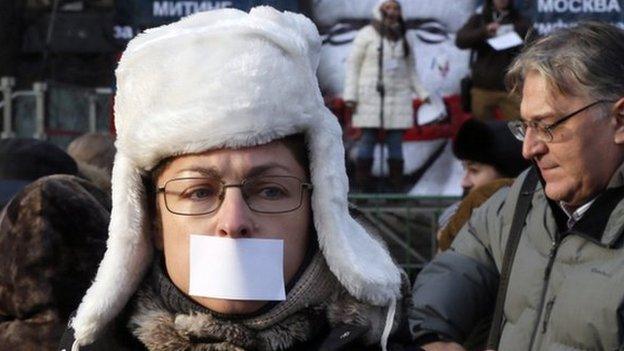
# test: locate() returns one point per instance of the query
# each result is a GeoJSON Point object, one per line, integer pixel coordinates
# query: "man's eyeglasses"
{"type": "Point", "coordinates": [263, 194]}
{"type": "Point", "coordinates": [545, 132]}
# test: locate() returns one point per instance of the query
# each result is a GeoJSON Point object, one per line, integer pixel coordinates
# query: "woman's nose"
{"type": "Point", "coordinates": [234, 218]}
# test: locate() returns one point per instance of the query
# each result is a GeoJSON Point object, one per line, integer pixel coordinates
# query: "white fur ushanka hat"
{"type": "Point", "coordinates": [225, 79]}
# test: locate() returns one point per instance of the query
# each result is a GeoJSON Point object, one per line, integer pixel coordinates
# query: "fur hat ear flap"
{"type": "Point", "coordinates": [128, 255]}
{"type": "Point", "coordinates": [361, 264]}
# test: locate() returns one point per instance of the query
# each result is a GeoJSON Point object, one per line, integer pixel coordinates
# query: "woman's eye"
{"type": "Point", "coordinates": [199, 193]}
{"type": "Point", "coordinates": [272, 192]}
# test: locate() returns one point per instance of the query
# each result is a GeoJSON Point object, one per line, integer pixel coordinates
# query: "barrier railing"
{"type": "Point", "coordinates": [408, 224]}
{"type": "Point", "coordinates": [43, 123]}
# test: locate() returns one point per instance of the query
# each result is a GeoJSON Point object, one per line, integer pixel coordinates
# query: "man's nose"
{"type": "Point", "coordinates": [234, 217]}
{"type": "Point", "coordinates": [532, 146]}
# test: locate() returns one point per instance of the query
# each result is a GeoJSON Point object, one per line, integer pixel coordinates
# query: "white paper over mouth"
{"type": "Point", "coordinates": [236, 269]}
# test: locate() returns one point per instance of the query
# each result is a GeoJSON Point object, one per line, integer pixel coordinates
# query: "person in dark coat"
{"type": "Point", "coordinates": [488, 69]}
{"type": "Point", "coordinates": [230, 227]}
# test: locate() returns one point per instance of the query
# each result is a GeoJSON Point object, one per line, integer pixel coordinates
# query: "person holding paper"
{"type": "Point", "coordinates": [498, 18]}
{"type": "Point", "coordinates": [230, 227]}
{"type": "Point", "coordinates": [399, 81]}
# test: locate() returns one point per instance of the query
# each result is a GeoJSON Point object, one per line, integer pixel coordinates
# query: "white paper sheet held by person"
{"type": "Point", "coordinates": [505, 41]}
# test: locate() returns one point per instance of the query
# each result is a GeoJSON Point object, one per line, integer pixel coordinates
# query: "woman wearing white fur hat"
{"type": "Point", "coordinates": [230, 227]}
{"type": "Point", "coordinates": [362, 93]}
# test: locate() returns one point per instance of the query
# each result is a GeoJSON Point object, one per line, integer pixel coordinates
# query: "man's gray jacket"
{"type": "Point", "coordinates": [566, 286]}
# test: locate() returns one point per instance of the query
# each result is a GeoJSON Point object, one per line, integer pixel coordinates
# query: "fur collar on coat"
{"type": "Point", "coordinates": [165, 319]}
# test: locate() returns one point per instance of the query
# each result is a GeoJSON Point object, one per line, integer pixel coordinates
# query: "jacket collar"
{"type": "Point", "coordinates": [603, 222]}
{"type": "Point", "coordinates": [615, 222]}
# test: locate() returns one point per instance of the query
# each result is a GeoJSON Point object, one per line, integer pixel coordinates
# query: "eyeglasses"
{"type": "Point", "coordinates": [545, 132]}
{"type": "Point", "coordinates": [263, 194]}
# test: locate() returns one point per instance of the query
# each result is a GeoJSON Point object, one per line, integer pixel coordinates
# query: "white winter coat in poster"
{"type": "Point", "coordinates": [400, 81]}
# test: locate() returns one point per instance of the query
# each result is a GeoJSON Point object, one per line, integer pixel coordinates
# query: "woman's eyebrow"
{"type": "Point", "coordinates": [254, 171]}
{"type": "Point", "coordinates": [205, 171]}
{"type": "Point", "coordinates": [262, 169]}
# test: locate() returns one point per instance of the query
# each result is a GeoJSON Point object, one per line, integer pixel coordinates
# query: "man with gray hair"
{"type": "Point", "coordinates": [545, 257]}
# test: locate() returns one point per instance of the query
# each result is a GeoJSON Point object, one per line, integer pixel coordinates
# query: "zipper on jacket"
{"type": "Point", "coordinates": [549, 307]}
{"type": "Point", "coordinates": [551, 260]}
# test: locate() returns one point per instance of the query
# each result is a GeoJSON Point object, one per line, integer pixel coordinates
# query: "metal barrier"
{"type": "Point", "coordinates": [408, 224]}
{"type": "Point", "coordinates": [6, 84]}
{"type": "Point", "coordinates": [40, 93]}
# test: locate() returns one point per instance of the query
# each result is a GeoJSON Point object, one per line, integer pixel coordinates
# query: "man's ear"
{"type": "Point", "coordinates": [618, 111]}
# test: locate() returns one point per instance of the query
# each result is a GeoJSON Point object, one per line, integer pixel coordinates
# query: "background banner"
{"type": "Point", "coordinates": [548, 15]}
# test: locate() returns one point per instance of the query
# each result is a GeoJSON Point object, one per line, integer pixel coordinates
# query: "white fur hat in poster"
{"type": "Point", "coordinates": [226, 79]}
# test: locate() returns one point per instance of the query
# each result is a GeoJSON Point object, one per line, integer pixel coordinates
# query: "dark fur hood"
{"type": "Point", "coordinates": [52, 237]}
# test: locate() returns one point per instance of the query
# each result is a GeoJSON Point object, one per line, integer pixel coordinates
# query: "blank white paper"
{"type": "Point", "coordinates": [236, 269]}
{"type": "Point", "coordinates": [504, 29]}
{"type": "Point", "coordinates": [505, 41]}
{"type": "Point", "coordinates": [431, 112]}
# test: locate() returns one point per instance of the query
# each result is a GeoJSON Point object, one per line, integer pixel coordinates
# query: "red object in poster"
{"type": "Point", "coordinates": [445, 129]}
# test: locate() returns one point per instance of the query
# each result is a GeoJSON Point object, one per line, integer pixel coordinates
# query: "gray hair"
{"type": "Point", "coordinates": [585, 60]}
{"type": "Point", "coordinates": [95, 149]}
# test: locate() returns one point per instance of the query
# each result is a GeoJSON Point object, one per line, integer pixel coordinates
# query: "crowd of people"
{"type": "Point", "coordinates": [218, 217]}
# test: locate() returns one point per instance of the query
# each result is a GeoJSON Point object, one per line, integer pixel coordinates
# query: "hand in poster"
{"type": "Point", "coordinates": [492, 28]}
{"type": "Point", "coordinates": [351, 106]}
